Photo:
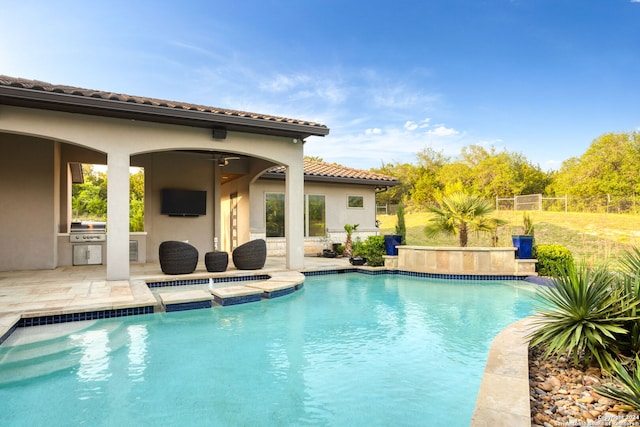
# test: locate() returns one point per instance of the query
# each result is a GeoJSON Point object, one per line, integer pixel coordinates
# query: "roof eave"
{"type": "Point", "coordinates": [131, 110]}
{"type": "Point", "coordinates": [336, 180]}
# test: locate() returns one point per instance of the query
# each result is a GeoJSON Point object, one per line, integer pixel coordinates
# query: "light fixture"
{"type": "Point", "coordinates": [224, 160]}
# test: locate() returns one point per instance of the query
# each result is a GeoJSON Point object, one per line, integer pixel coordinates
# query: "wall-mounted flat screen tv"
{"type": "Point", "coordinates": [183, 202]}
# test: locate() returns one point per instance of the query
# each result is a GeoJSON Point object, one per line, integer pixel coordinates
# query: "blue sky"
{"type": "Point", "coordinates": [538, 77]}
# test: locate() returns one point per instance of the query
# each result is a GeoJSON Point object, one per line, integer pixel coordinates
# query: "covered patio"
{"type": "Point", "coordinates": [46, 128]}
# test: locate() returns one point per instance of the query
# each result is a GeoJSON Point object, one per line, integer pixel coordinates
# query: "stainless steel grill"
{"type": "Point", "coordinates": [88, 231]}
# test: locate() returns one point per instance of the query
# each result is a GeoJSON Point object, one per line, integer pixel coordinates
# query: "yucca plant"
{"type": "Point", "coordinates": [630, 277]}
{"type": "Point", "coordinates": [627, 374]}
{"type": "Point", "coordinates": [630, 261]}
{"type": "Point", "coordinates": [628, 390]}
{"type": "Point", "coordinates": [582, 314]}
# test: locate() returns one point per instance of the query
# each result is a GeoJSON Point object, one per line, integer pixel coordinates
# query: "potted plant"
{"type": "Point", "coordinates": [326, 252]}
{"type": "Point", "coordinates": [524, 242]}
{"type": "Point", "coordinates": [357, 257]}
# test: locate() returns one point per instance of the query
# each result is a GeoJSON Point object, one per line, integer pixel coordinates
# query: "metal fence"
{"type": "Point", "coordinates": [605, 203]}
{"type": "Point", "coordinates": [388, 209]}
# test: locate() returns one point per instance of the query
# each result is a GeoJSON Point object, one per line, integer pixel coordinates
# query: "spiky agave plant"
{"type": "Point", "coordinates": [628, 390]}
{"type": "Point", "coordinates": [630, 278]}
{"type": "Point", "coordinates": [583, 313]}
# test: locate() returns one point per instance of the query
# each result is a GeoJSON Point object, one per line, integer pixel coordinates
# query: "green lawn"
{"type": "Point", "coordinates": [596, 238]}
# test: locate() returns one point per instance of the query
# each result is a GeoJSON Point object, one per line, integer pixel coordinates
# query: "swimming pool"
{"type": "Point", "coordinates": [348, 349]}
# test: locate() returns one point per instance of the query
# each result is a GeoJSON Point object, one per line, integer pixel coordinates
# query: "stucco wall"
{"type": "Point", "coordinates": [337, 213]}
{"type": "Point", "coordinates": [176, 171]}
{"type": "Point", "coordinates": [28, 225]}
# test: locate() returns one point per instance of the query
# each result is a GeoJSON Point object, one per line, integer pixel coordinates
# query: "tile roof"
{"type": "Point", "coordinates": [218, 113]}
{"type": "Point", "coordinates": [328, 172]}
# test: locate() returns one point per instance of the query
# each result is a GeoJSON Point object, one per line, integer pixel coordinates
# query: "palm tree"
{"type": "Point", "coordinates": [348, 251]}
{"type": "Point", "coordinates": [459, 214]}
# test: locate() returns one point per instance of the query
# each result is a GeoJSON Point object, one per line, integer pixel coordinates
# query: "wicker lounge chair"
{"type": "Point", "coordinates": [177, 257]}
{"type": "Point", "coordinates": [216, 261]}
{"type": "Point", "coordinates": [251, 255]}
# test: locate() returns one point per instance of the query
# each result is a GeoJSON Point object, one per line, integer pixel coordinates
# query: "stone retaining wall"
{"type": "Point", "coordinates": [467, 261]}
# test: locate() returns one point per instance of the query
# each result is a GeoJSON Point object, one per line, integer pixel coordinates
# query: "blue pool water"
{"type": "Point", "coordinates": [348, 349]}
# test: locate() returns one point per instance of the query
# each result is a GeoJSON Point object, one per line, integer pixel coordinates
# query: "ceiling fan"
{"type": "Point", "coordinates": [224, 160]}
{"type": "Point", "coordinates": [221, 159]}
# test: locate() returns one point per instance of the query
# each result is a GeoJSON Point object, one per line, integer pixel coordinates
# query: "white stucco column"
{"type": "Point", "coordinates": [118, 215]}
{"type": "Point", "coordinates": [217, 207]}
{"type": "Point", "coordinates": [294, 215]}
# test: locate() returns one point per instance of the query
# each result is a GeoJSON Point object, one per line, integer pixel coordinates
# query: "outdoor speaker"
{"type": "Point", "coordinates": [219, 133]}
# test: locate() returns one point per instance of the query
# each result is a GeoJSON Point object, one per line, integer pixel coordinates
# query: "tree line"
{"type": "Point", "coordinates": [89, 199]}
{"type": "Point", "coordinates": [607, 170]}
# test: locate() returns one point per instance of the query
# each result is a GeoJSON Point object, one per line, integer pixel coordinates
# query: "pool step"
{"type": "Point", "coordinates": [232, 295]}
{"type": "Point", "coordinates": [22, 362]}
{"type": "Point", "coordinates": [185, 300]}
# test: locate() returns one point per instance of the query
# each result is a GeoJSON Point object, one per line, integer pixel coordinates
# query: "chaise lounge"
{"type": "Point", "coordinates": [251, 255]}
{"type": "Point", "coordinates": [177, 257]}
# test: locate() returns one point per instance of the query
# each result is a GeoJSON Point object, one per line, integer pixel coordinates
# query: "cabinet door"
{"type": "Point", "coordinates": [87, 254]}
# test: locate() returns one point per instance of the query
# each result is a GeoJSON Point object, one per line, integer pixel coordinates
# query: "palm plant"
{"type": "Point", "coordinates": [460, 214]}
{"type": "Point", "coordinates": [348, 251]}
{"type": "Point", "coordinates": [583, 313]}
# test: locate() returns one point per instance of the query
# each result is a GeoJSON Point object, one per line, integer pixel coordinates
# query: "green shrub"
{"type": "Point", "coordinates": [401, 227]}
{"type": "Point", "coordinates": [340, 250]}
{"type": "Point", "coordinates": [372, 249]}
{"type": "Point", "coordinates": [356, 248]}
{"type": "Point", "coordinates": [552, 258]}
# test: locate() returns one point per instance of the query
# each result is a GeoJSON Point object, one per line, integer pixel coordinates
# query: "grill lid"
{"type": "Point", "coordinates": [88, 227]}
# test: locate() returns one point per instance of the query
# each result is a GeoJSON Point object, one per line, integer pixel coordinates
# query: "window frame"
{"type": "Point", "coordinates": [351, 197]}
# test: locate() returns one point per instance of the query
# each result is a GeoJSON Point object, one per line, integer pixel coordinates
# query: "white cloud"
{"type": "Point", "coordinates": [401, 97]}
{"type": "Point", "coordinates": [282, 83]}
{"type": "Point", "coordinates": [411, 125]}
{"type": "Point", "coordinates": [302, 86]}
{"type": "Point", "coordinates": [387, 144]}
{"type": "Point", "coordinates": [442, 131]}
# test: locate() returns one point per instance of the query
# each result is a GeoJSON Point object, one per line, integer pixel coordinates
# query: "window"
{"type": "Point", "coordinates": [355, 201]}
{"type": "Point", "coordinates": [314, 215]}
{"type": "Point", "coordinates": [274, 210]}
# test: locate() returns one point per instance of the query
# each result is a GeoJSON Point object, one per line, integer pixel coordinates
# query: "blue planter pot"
{"type": "Point", "coordinates": [390, 243]}
{"type": "Point", "coordinates": [523, 245]}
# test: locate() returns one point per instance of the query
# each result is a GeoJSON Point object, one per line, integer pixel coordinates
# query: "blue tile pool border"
{"type": "Point", "coordinates": [244, 299]}
{"type": "Point", "coordinates": [414, 274]}
{"type": "Point", "coordinates": [182, 306]}
{"type": "Point", "coordinates": [8, 333]}
{"type": "Point", "coordinates": [87, 315]}
{"type": "Point", "coordinates": [204, 281]}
